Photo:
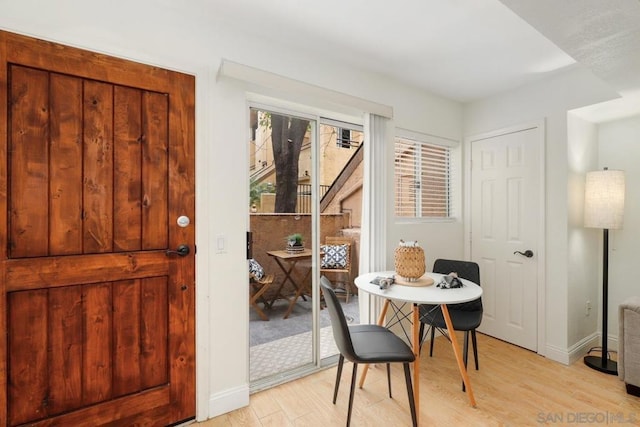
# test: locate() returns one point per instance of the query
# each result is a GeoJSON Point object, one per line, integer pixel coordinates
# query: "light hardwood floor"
{"type": "Point", "coordinates": [514, 387]}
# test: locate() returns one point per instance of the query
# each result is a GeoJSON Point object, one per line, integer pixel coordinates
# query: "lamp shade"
{"type": "Point", "coordinates": [604, 199]}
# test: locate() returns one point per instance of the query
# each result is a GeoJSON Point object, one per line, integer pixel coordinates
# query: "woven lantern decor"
{"type": "Point", "coordinates": [409, 261]}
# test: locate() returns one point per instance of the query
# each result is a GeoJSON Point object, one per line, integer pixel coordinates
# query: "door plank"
{"type": "Point", "coordinates": [98, 167]}
{"type": "Point", "coordinates": [83, 269]}
{"type": "Point", "coordinates": [65, 186]}
{"type": "Point", "coordinates": [97, 357]}
{"type": "Point", "coordinates": [182, 355]}
{"type": "Point", "coordinates": [126, 331]}
{"type": "Point", "coordinates": [29, 164]}
{"type": "Point", "coordinates": [154, 171]}
{"type": "Point", "coordinates": [68, 60]}
{"type": "Point", "coordinates": [65, 349]}
{"type": "Point", "coordinates": [151, 418]}
{"type": "Point", "coordinates": [154, 315]}
{"type": "Point", "coordinates": [116, 410]}
{"type": "Point", "coordinates": [182, 283]}
{"type": "Point", "coordinates": [27, 339]}
{"type": "Point", "coordinates": [127, 154]}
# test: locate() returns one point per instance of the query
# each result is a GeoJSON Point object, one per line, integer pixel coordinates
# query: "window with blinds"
{"type": "Point", "coordinates": [422, 179]}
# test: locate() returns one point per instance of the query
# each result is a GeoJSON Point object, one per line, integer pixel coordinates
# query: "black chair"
{"type": "Point", "coordinates": [365, 344]}
{"type": "Point", "coordinates": [464, 317]}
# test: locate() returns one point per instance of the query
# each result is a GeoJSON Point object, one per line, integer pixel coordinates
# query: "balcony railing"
{"type": "Point", "coordinates": [304, 197]}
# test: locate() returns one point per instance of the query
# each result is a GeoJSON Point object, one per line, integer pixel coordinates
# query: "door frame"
{"type": "Point", "coordinates": [541, 256]}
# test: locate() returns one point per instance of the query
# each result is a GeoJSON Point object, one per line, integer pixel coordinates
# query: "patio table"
{"type": "Point", "coordinates": [288, 261]}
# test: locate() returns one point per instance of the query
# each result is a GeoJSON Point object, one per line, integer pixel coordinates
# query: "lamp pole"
{"type": "Point", "coordinates": [603, 363]}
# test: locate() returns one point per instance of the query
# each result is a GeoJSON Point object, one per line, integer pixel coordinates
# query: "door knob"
{"type": "Point", "coordinates": [182, 250]}
{"type": "Point", "coordinates": [528, 253]}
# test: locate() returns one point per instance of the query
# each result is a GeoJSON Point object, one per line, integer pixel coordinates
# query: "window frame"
{"type": "Point", "coordinates": [453, 148]}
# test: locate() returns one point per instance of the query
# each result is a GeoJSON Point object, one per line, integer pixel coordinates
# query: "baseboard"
{"type": "Point", "coordinates": [228, 400]}
{"type": "Point", "coordinates": [579, 349]}
{"type": "Point", "coordinates": [557, 354]}
{"type": "Point", "coordinates": [573, 353]}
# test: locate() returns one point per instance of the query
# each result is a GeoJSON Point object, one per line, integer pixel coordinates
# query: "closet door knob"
{"type": "Point", "coordinates": [528, 253]}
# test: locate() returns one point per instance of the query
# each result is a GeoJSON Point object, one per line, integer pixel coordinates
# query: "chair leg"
{"type": "Point", "coordinates": [353, 387]}
{"type": "Point", "coordinates": [465, 354]}
{"type": "Point", "coordinates": [465, 348]}
{"type": "Point", "coordinates": [347, 288]}
{"type": "Point", "coordinates": [475, 348]}
{"type": "Point", "coordinates": [258, 310]}
{"type": "Point", "coordinates": [433, 337]}
{"type": "Point", "coordinates": [412, 403]}
{"type": "Point", "coordinates": [421, 335]}
{"type": "Point", "coordinates": [254, 297]}
{"type": "Point", "coordinates": [389, 379]}
{"type": "Point", "coordinates": [338, 375]}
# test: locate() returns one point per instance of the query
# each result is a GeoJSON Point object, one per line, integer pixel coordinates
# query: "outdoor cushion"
{"type": "Point", "coordinates": [256, 269]}
{"type": "Point", "coordinates": [335, 256]}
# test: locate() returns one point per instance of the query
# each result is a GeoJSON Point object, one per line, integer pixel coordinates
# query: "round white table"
{"type": "Point", "coordinates": [417, 295]}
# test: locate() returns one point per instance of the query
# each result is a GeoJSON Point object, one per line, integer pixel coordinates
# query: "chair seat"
{"type": "Point", "coordinates": [376, 344]}
{"type": "Point", "coordinates": [463, 320]}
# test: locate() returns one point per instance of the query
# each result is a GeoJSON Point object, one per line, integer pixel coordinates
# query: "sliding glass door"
{"type": "Point", "coordinates": [304, 215]}
{"type": "Point", "coordinates": [282, 215]}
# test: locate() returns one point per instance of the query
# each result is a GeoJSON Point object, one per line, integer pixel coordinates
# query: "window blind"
{"type": "Point", "coordinates": [422, 179]}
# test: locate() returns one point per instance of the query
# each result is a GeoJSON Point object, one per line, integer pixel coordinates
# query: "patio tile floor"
{"type": "Point", "coordinates": [281, 344]}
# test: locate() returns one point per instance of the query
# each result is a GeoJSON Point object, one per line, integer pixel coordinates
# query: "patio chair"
{"type": "Point", "coordinates": [337, 259]}
{"type": "Point", "coordinates": [366, 344]}
{"type": "Point", "coordinates": [259, 283]}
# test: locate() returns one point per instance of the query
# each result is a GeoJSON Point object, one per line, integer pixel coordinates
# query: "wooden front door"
{"type": "Point", "coordinates": [97, 320]}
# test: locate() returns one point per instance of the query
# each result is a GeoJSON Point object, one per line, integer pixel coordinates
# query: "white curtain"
{"type": "Point", "coordinates": [375, 200]}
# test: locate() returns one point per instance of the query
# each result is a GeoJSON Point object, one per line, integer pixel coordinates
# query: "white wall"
{"type": "Point", "coordinates": [619, 148]}
{"type": "Point", "coordinates": [549, 99]}
{"type": "Point", "coordinates": [583, 257]}
{"type": "Point", "coordinates": [176, 35]}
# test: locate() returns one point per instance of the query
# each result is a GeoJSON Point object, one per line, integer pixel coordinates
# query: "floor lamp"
{"type": "Point", "coordinates": [604, 208]}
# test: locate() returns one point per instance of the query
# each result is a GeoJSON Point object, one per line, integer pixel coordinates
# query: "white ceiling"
{"type": "Point", "coordinates": [461, 49]}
